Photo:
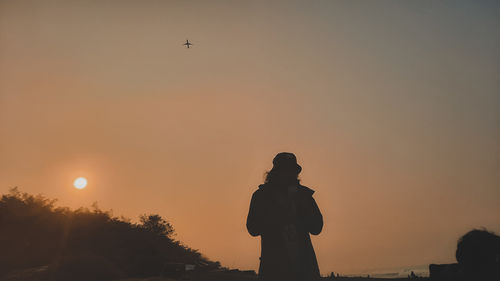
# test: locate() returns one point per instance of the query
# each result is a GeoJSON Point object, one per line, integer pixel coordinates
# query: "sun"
{"type": "Point", "coordinates": [80, 183]}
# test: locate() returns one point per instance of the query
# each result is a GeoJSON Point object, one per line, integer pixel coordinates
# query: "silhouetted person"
{"type": "Point", "coordinates": [283, 212]}
{"type": "Point", "coordinates": [478, 255]}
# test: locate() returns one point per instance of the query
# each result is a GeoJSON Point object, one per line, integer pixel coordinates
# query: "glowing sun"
{"type": "Point", "coordinates": [80, 183]}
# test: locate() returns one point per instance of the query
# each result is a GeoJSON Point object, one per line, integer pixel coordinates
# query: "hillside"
{"type": "Point", "coordinates": [91, 244]}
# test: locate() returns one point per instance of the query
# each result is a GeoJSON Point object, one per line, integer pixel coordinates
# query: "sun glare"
{"type": "Point", "coordinates": [80, 183]}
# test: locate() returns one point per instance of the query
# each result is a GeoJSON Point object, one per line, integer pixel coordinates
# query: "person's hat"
{"type": "Point", "coordinates": [286, 160]}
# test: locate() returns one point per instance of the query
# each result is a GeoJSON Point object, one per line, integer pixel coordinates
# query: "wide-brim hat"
{"type": "Point", "coordinates": [286, 161]}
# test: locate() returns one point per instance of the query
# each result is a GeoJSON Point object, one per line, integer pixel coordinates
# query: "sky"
{"type": "Point", "coordinates": [392, 108]}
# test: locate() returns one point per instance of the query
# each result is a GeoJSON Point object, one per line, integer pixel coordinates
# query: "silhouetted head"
{"type": "Point", "coordinates": [285, 169]}
{"type": "Point", "coordinates": [478, 252]}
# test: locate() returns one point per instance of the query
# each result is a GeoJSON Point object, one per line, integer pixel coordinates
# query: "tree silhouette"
{"type": "Point", "coordinates": [90, 243]}
{"type": "Point", "coordinates": [154, 223]}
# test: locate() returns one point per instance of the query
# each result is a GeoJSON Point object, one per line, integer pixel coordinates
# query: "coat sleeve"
{"type": "Point", "coordinates": [255, 218]}
{"type": "Point", "coordinates": [315, 219]}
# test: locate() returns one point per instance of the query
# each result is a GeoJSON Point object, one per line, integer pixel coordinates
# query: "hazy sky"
{"type": "Point", "coordinates": [392, 108]}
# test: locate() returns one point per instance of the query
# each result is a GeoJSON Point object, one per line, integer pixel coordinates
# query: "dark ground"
{"type": "Point", "coordinates": [30, 275]}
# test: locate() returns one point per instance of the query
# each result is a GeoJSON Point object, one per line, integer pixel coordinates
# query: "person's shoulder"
{"type": "Point", "coordinates": [306, 190]}
{"type": "Point", "coordinates": [262, 190]}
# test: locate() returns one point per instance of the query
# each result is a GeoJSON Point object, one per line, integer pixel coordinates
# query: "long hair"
{"type": "Point", "coordinates": [271, 176]}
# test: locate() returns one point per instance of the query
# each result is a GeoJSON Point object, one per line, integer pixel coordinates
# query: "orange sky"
{"type": "Point", "coordinates": [390, 106]}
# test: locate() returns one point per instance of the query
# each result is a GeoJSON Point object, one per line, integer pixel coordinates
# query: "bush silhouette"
{"type": "Point", "coordinates": [156, 224]}
{"type": "Point", "coordinates": [36, 233]}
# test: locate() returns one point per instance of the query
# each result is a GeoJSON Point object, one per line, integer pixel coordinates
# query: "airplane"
{"type": "Point", "coordinates": [187, 44]}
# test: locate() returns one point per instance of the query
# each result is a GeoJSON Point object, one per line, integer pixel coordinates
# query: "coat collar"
{"type": "Point", "coordinates": [302, 189]}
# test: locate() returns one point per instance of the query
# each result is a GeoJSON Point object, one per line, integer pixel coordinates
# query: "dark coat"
{"type": "Point", "coordinates": [268, 216]}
